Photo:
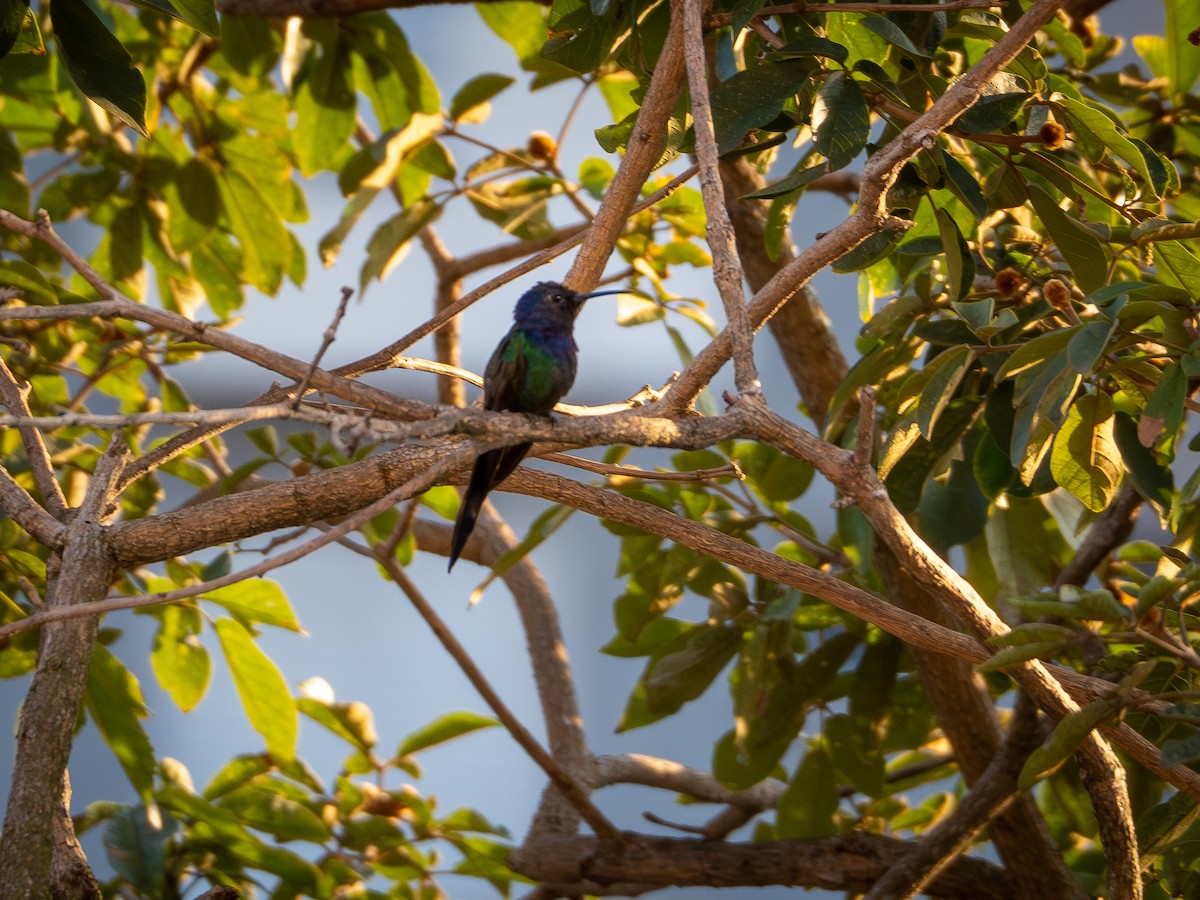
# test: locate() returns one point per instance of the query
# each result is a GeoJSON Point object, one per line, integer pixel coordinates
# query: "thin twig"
{"type": "Point", "coordinates": [25, 511]}
{"type": "Point", "coordinates": [727, 267]}
{"type": "Point", "coordinates": [608, 833]}
{"type": "Point", "coordinates": [13, 396]}
{"type": "Point", "coordinates": [327, 339]}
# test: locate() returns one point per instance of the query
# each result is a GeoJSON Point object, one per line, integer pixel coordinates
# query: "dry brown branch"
{"type": "Point", "coordinates": [327, 340]}
{"type": "Point", "coordinates": [727, 270]}
{"type": "Point", "coordinates": [420, 482]}
{"type": "Point", "coordinates": [849, 862]}
{"type": "Point", "coordinates": [642, 153]}
{"type": "Point", "coordinates": [567, 784]}
{"type": "Point", "coordinates": [870, 216]}
{"type": "Point", "coordinates": [862, 486]}
{"type": "Point", "coordinates": [24, 510]}
{"type": "Point", "coordinates": [987, 797]}
{"type": "Point", "coordinates": [117, 305]}
{"type": "Point", "coordinates": [547, 655]}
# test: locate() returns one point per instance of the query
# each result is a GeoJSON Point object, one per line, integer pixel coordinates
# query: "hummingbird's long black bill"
{"type": "Point", "coordinates": [592, 294]}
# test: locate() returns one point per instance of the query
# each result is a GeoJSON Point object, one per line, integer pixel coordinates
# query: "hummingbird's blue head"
{"type": "Point", "coordinates": [549, 303]}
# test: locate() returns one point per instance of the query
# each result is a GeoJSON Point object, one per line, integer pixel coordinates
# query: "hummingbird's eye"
{"type": "Point", "coordinates": [557, 298]}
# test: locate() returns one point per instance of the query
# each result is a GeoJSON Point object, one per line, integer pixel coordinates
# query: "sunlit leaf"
{"type": "Point", "coordinates": [841, 121]}
{"type": "Point", "coordinates": [98, 64]}
{"type": "Point", "coordinates": [114, 699]}
{"type": "Point", "coordinates": [264, 693]}
{"type": "Point", "coordinates": [444, 728]}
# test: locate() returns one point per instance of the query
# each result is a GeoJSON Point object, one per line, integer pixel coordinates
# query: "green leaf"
{"type": "Point", "coordinates": [798, 178]}
{"type": "Point", "coordinates": [523, 27]}
{"type": "Point", "coordinates": [580, 39]}
{"type": "Point", "coordinates": [200, 14]}
{"type": "Point", "coordinates": [1159, 827]}
{"type": "Point", "coordinates": [1085, 459]}
{"type": "Point", "coordinates": [1010, 656]}
{"type": "Point", "coordinates": [772, 700]}
{"type": "Point", "coordinates": [1035, 633]}
{"type": "Point", "coordinates": [194, 201]}
{"type": "Point", "coordinates": [854, 749]}
{"type": "Point", "coordinates": [812, 46]}
{"type": "Point", "coordinates": [114, 699]}
{"type": "Point", "coordinates": [784, 480]}
{"type": "Point", "coordinates": [752, 98]}
{"type": "Point", "coordinates": [181, 663]}
{"type": "Point", "coordinates": [389, 244]}
{"type": "Point", "coordinates": [937, 384]}
{"type": "Point", "coordinates": [258, 228]}
{"type": "Point", "coordinates": [1099, 126]}
{"type": "Point", "coordinates": [12, 20]}
{"type": "Point", "coordinates": [29, 280]}
{"type": "Point", "coordinates": [960, 263]}
{"type": "Point", "coordinates": [743, 12]}
{"type": "Point", "coordinates": [1063, 741]}
{"type": "Point", "coordinates": [352, 722]}
{"type": "Point", "coordinates": [841, 120]}
{"type": "Point", "coordinates": [264, 692]}
{"type": "Point", "coordinates": [1079, 246]}
{"type": "Point", "coordinates": [137, 848]}
{"type": "Point", "coordinates": [680, 675]}
{"type": "Point", "coordinates": [807, 807]}
{"type": "Point", "coordinates": [248, 44]}
{"type": "Point", "coordinates": [256, 600]}
{"type": "Point", "coordinates": [442, 729]}
{"type": "Point", "coordinates": [891, 33]}
{"type": "Point", "coordinates": [1183, 62]}
{"type": "Point", "coordinates": [993, 111]}
{"type": "Point", "coordinates": [280, 816]}
{"type": "Point", "coordinates": [1150, 475]}
{"type": "Point", "coordinates": [1181, 750]}
{"type": "Point", "coordinates": [965, 185]}
{"type": "Point", "coordinates": [238, 771]}
{"type": "Point", "coordinates": [870, 251]}
{"type": "Point", "coordinates": [1086, 346]}
{"type": "Point", "coordinates": [953, 509]}
{"type": "Point", "coordinates": [862, 44]}
{"type": "Point", "coordinates": [325, 105]}
{"type": "Point", "coordinates": [1178, 264]}
{"type": "Point", "coordinates": [472, 98]}
{"type": "Point", "coordinates": [99, 65]}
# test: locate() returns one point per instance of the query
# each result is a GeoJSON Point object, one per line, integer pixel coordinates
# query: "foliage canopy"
{"type": "Point", "coordinates": [1023, 232]}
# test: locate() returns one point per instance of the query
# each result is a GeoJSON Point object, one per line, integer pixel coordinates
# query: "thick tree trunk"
{"type": "Point", "coordinates": [33, 823]}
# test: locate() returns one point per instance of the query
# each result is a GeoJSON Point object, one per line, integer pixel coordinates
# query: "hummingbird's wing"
{"type": "Point", "coordinates": [505, 373]}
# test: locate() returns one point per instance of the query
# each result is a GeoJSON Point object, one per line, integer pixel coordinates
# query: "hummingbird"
{"type": "Point", "coordinates": [531, 369]}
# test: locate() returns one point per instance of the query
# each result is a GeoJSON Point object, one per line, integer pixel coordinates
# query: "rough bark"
{"type": "Point", "coordinates": [48, 716]}
{"type": "Point", "coordinates": [850, 862]}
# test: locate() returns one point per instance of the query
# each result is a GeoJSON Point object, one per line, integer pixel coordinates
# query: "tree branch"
{"type": "Point", "coordinates": [610, 838]}
{"type": "Point", "coordinates": [13, 396]}
{"type": "Point", "coordinates": [48, 716]}
{"type": "Point", "coordinates": [987, 797]}
{"type": "Point", "coordinates": [727, 270]}
{"type": "Point", "coordinates": [850, 862]}
{"type": "Point", "coordinates": [870, 216]}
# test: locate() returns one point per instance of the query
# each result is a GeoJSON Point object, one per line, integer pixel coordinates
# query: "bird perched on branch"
{"type": "Point", "coordinates": [529, 372]}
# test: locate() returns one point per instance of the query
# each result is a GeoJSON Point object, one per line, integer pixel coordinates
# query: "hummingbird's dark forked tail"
{"type": "Point", "coordinates": [490, 469]}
